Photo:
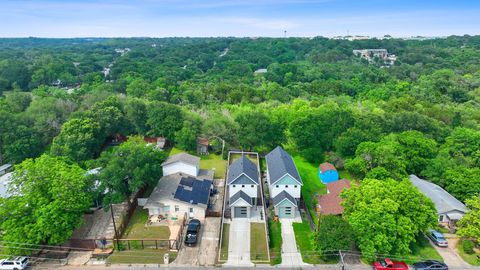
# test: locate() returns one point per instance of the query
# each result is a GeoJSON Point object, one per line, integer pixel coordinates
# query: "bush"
{"type": "Point", "coordinates": [333, 234]}
{"type": "Point", "coordinates": [467, 246]}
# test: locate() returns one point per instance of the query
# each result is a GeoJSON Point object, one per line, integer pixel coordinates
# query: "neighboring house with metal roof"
{"type": "Point", "coordinates": [243, 187]}
{"type": "Point", "coordinates": [284, 182]}
{"type": "Point", "coordinates": [5, 168]}
{"type": "Point", "coordinates": [179, 193]}
{"type": "Point", "coordinates": [182, 162]}
{"type": "Point", "coordinates": [327, 173]}
{"type": "Point", "coordinates": [449, 209]}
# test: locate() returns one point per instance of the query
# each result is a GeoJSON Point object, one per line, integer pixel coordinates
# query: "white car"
{"type": "Point", "coordinates": [17, 263]}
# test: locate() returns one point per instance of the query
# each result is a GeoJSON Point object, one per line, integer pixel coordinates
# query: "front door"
{"type": "Point", "coordinates": [240, 212]}
{"type": "Point", "coordinates": [190, 212]}
{"type": "Point", "coordinates": [286, 212]}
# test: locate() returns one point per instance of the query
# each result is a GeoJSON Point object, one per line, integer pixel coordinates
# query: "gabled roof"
{"type": "Point", "coordinates": [279, 164]}
{"type": "Point", "coordinates": [327, 167]}
{"type": "Point", "coordinates": [240, 195]}
{"type": "Point", "coordinates": [5, 167]}
{"type": "Point", "coordinates": [183, 157]}
{"type": "Point", "coordinates": [444, 201]}
{"type": "Point", "coordinates": [283, 196]}
{"type": "Point", "coordinates": [193, 190]}
{"type": "Point", "coordinates": [330, 203]}
{"type": "Point", "coordinates": [243, 165]}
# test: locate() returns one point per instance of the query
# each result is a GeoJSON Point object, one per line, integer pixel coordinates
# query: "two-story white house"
{"type": "Point", "coordinates": [284, 182]}
{"type": "Point", "coordinates": [243, 187]}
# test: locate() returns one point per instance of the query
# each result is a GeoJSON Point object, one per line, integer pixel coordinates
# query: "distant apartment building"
{"type": "Point", "coordinates": [371, 54]}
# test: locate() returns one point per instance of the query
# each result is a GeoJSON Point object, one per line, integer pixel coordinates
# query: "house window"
{"type": "Point", "coordinates": [251, 186]}
{"type": "Point", "coordinates": [295, 186]}
{"type": "Point", "coordinates": [191, 210]}
{"type": "Point", "coordinates": [286, 186]}
{"type": "Point", "coordinates": [243, 185]}
{"type": "Point", "coordinates": [177, 208]}
{"type": "Point", "coordinates": [277, 186]}
{"type": "Point", "coordinates": [233, 186]}
{"type": "Point", "coordinates": [441, 218]}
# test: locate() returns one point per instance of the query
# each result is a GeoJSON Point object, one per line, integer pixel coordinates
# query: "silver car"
{"type": "Point", "coordinates": [437, 238]}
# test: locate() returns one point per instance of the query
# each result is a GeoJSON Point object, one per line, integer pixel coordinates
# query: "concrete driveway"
{"type": "Point", "coordinates": [239, 243]}
{"type": "Point", "coordinates": [204, 253]}
{"type": "Point", "coordinates": [290, 255]}
{"type": "Point", "coordinates": [450, 255]}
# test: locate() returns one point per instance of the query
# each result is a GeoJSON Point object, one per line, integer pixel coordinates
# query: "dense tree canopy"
{"type": "Point", "coordinates": [51, 195]}
{"type": "Point", "coordinates": [386, 216]}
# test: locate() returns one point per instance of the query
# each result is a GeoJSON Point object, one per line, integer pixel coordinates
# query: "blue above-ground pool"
{"type": "Point", "coordinates": [328, 176]}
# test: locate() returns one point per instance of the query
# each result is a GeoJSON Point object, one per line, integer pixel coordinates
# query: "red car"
{"type": "Point", "coordinates": [387, 264]}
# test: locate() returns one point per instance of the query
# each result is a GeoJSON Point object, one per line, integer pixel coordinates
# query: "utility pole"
{"type": "Point", "coordinates": [114, 226]}
{"type": "Point", "coordinates": [285, 33]}
{"type": "Point", "coordinates": [341, 260]}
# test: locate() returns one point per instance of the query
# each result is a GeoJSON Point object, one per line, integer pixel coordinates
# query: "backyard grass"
{"type": "Point", "coordinates": [275, 233]}
{"type": "Point", "coordinates": [136, 229]}
{"type": "Point", "coordinates": [311, 184]}
{"type": "Point", "coordinates": [471, 259]}
{"type": "Point", "coordinates": [234, 157]}
{"type": "Point", "coordinates": [214, 162]}
{"type": "Point", "coordinates": [344, 174]}
{"type": "Point", "coordinates": [151, 256]}
{"type": "Point", "coordinates": [209, 162]}
{"type": "Point", "coordinates": [303, 237]}
{"type": "Point", "coordinates": [224, 244]}
{"type": "Point", "coordinates": [258, 243]}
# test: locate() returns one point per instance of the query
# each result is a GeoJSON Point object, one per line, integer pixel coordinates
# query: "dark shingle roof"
{"type": "Point", "coordinates": [183, 157]}
{"type": "Point", "coordinates": [241, 166]}
{"type": "Point", "coordinates": [280, 163]}
{"type": "Point", "coordinates": [282, 196]}
{"type": "Point", "coordinates": [239, 195]}
{"type": "Point", "coordinates": [192, 190]}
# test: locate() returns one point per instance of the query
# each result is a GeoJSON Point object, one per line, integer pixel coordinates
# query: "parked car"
{"type": "Point", "coordinates": [430, 265]}
{"type": "Point", "coordinates": [387, 264]}
{"type": "Point", "coordinates": [437, 238]}
{"type": "Point", "coordinates": [193, 229]}
{"type": "Point", "coordinates": [17, 263]}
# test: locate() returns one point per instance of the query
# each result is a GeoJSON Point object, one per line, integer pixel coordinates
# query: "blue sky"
{"type": "Point", "coordinates": [204, 18]}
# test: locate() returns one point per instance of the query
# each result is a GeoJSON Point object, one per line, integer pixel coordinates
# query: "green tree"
{"type": "Point", "coordinates": [77, 140]}
{"type": "Point", "coordinates": [386, 216]}
{"type": "Point", "coordinates": [128, 168]}
{"type": "Point", "coordinates": [164, 119]}
{"type": "Point", "coordinates": [469, 225]}
{"type": "Point", "coordinates": [257, 130]}
{"type": "Point", "coordinates": [333, 234]}
{"type": "Point", "coordinates": [51, 196]}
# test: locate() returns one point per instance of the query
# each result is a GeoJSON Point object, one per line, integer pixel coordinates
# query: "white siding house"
{"type": "Point", "coordinates": [243, 187]}
{"type": "Point", "coordinates": [284, 182]}
{"type": "Point", "coordinates": [183, 163]}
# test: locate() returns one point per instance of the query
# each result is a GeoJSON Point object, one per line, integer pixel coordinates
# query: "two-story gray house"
{"type": "Point", "coordinates": [243, 187]}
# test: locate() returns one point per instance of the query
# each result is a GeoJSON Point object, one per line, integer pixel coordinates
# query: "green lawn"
{"type": "Point", "coordinates": [215, 162]}
{"type": "Point", "coordinates": [422, 250]}
{"type": "Point", "coordinates": [258, 243]}
{"type": "Point", "coordinates": [209, 162]}
{"type": "Point", "coordinates": [304, 243]}
{"type": "Point", "coordinates": [136, 229]}
{"type": "Point", "coordinates": [150, 256]}
{"type": "Point", "coordinates": [275, 233]}
{"type": "Point", "coordinates": [224, 246]}
{"type": "Point", "coordinates": [311, 184]}
{"type": "Point", "coordinates": [469, 258]}
{"type": "Point", "coordinates": [344, 174]}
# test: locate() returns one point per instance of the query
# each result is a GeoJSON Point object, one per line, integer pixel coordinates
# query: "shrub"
{"type": "Point", "coordinates": [467, 246]}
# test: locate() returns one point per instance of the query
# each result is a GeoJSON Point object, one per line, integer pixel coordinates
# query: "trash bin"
{"type": "Point", "coordinates": [166, 258]}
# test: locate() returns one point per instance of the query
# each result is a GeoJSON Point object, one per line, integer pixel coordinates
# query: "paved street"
{"type": "Point", "coordinates": [290, 255]}
{"type": "Point", "coordinates": [450, 255]}
{"type": "Point", "coordinates": [239, 243]}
